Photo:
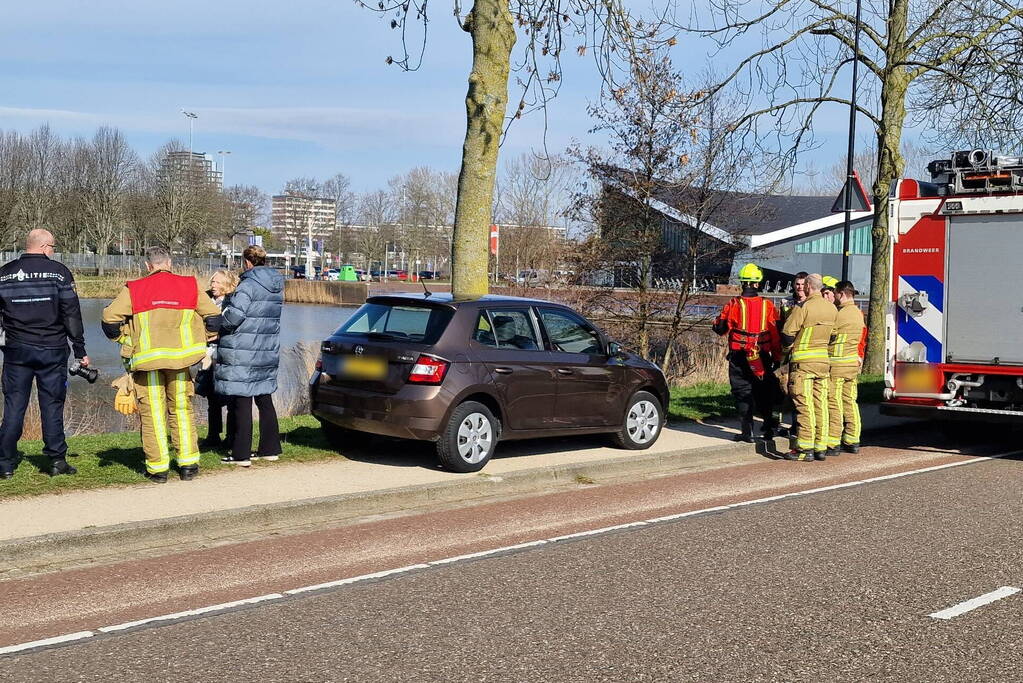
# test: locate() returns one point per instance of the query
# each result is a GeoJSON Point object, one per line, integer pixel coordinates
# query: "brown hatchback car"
{"type": "Point", "coordinates": [466, 374]}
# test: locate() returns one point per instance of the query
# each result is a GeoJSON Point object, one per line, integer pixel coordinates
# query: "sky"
{"type": "Point", "coordinates": [290, 89]}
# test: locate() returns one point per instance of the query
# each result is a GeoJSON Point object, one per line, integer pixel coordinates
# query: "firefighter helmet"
{"type": "Point", "coordinates": [751, 273]}
{"type": "Point", "coordinates": [829, 282]}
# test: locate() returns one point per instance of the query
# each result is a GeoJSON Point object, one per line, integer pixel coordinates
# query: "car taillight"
{"type": "Point", "coordinates": [428, 370]}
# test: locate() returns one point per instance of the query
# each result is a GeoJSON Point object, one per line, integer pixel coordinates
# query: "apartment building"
{"type": "Point", "coordinates": [293, 216]}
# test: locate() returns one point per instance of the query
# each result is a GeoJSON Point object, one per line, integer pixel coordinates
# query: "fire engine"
{"type": "Point", "coordinates": [954, 340]}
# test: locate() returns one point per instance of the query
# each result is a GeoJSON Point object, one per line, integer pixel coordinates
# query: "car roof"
{"type": "Point", "coordinates": [447, 299]}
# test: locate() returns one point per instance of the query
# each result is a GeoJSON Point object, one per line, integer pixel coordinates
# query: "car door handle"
{"type": "Point", "coordinates": [503, 371]}
{"type": "Point", "coordinates": [565, 371]}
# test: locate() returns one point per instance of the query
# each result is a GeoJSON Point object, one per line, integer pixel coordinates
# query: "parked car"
{"type": "Point", "coordinates": [466, 374]}
{"type": "Point", "coordinates": [428, 275]}
{"type": "Point", "coordinates": [398, 274]}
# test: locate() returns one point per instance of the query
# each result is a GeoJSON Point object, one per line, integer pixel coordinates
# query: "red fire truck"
{"type": "Point", "coordinates": [955, 321]}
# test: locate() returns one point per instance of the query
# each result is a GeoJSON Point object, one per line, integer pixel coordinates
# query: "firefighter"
{"type": "Point", "coordinates": [783, 402]}
{"type": "Point", "coordinates": [806, 336]}
{"type": "Point", "coordinates": [848, 344]}
{"type": "Point", "coordinates": [754, 350]}
{"type": "Point", "coordinates": [828, 290]}
{"type": "Point", "coordinates": [168, 320]}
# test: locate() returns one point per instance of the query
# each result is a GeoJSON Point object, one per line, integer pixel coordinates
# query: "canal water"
{"type": "Point", "coordinates": [89, 407]}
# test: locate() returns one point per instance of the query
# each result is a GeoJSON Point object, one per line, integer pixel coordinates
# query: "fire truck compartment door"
{"type": "Point", "coordinates": [983, 307]}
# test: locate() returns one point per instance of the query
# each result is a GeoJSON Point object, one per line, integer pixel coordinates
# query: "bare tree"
{"type": "Point", "coordinates": [607, 30]}
{"type": "Point", "coordinates": [953, 67]}
{"type": "Point", "coordinates": [110, 164]}
{"type": "Point", "coordinates": [14, 162]}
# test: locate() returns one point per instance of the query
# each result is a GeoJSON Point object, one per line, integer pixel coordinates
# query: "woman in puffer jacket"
{"type": "Point", "coordinates": [248, 356]}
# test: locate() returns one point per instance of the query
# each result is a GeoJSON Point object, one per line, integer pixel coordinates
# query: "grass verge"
{"type": "Point", "coordinates": [117, 459]}
{"type": "Point", "coordinates": [712, 399]}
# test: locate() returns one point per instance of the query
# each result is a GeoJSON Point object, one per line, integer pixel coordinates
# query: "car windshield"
{"type": "Point", "coordinates": [399, 321]}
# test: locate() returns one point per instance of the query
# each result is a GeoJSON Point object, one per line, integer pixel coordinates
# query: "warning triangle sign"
{"type": "Point", "coordinates": [859, 196]}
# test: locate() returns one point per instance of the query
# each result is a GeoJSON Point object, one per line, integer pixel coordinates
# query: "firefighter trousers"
{"type": "Point", "coordinates": [752, 395]}
{"type": "Point", "coordinates": [843, 410]}
{"type": "Point", "coordinates": [808, 387]}
{"type": "Point", "coordinates": [165, 403]}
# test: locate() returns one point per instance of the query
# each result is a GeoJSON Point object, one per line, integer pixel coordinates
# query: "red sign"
{"type": "Point", "coordinates": [495, 238]}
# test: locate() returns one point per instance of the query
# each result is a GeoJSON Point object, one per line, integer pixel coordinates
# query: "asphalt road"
{"type": "Point", "coordinates": [830, 586]}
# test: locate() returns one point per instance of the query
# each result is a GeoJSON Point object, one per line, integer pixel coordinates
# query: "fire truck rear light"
{"type": "Point", "coordinates": [428, 370]}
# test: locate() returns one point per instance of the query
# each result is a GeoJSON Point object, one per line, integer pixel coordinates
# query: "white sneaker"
{"type": "Point", "coordinates": [228, 460]}
{"type": "Point", "coordinates": [270, 458]}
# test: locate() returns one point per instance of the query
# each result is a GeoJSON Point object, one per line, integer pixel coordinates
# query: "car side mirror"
{"type": "Point", "coordinates": [614, 350]}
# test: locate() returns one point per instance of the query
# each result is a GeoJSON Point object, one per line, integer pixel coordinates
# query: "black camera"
{"type": "Point", "coordinates": [88, 374]}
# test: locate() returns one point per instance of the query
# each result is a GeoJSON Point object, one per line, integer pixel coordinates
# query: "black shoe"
{"type": "Point", "coordinates": [743, 438]}
{"type": "Point", "coordinates": [851, 448]}
{"type": "Point", "coordinates": [228, 460]}
{"type": "Point", "coordinates": [832, 452]}
{"type": "Point", "coordinates": [819, 455]}
{"type": "Point", "coordinates": [6, 475]}
{"type": "Point", "coordinates": [61, 467]}
{"type": "Point", "coordinates": [188, 472]}
{"type": "Point", "coordinates": [157, 478]}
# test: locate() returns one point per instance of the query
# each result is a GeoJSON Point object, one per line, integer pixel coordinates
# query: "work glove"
{"type": "Point", "coordinates": [125, 404]}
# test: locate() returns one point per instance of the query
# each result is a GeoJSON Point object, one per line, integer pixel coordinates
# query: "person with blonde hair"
{"type": "Point", "coordinates": [222, 283]}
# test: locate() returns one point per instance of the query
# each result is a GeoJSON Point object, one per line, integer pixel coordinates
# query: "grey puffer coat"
{"type": "Point", "coordinates": [249, 349]}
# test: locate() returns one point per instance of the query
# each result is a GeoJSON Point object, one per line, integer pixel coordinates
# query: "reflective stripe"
{"type": "Point", "coordinates": [181, 413]}
{"type": "Point", "coordinates": [763, 315]}
{"type": "Point", "coordinates": [845, 360]}
{"type": "Point", "coordinates": [742, 312]}
{"type": "Point", "coordinates": [853, 436]}
{"type": "Point", "coordinates": [168, 353]}
{"type": "Point", "coordinates": [811, 410]}
{"type": "Point", "coordinates": [821, 434]}
{"type": "Point", "coordinates": [186, 328]}
{"type": "Point", "coordinates": [834, 439]}
{"type": "Point", "coordinates": [157, 412]}
{"type": "Point", "coordinates": [808, 354]}
{"type": "Point", "coordinates": [144, 338]}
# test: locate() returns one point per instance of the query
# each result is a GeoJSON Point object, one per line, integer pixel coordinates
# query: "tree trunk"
{"type": "Point", "coordinates": [890, 167]}
{"type": "Point", "coordinates": [493, 36]}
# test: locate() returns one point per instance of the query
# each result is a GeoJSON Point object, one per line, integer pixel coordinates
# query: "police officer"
{"type": "Point", "coordinates": [806, 336]}
{"type": "Point", "coordinates": [754, 350]}
{"type": "Point", "coordinates": [848, 344]}
{"type": "Point", "coordinates": [162, 322]}
{"type": "Point", "coordinates": [40, 312]}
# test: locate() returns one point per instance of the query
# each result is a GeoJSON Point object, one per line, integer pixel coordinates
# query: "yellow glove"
{"type": "Point", "coordinates": [125, 404]}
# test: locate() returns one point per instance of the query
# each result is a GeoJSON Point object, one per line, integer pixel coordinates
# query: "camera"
{"type": "Point", "coordinates": [88, 374]}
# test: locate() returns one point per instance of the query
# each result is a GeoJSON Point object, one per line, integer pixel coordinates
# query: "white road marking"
{"type": "Point", "coordinates": [511, 548]}
{"type": "Point", "coordinates": [191, 612]}
{"type": "Point", "coordinates": [56, 640]}
{"type": "Point", "coordinates": [974, 603]}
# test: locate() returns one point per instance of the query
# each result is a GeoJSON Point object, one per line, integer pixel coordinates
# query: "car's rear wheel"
{"type": "Point", "coordinates": [644, 419]}
{"type": "Point", "coordinates": [469, 439]}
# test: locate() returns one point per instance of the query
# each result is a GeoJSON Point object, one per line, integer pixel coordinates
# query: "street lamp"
{"type": "Point", "coordinates": [849, 178]}
{"type": "Point", "coordinates": [192, 116]}
{"type": "Point", "coordinates": [223, 167]}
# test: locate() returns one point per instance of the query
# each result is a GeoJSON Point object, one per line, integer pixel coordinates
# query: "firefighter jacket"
{"type": "Point", "coordinates": [807, 331]}
{"type": "Point", "coordinates": [39, 306]}
{"type": "Point", "coordinates": [162, 322]}
{"type": "Point", "coordinates": [849, 337]}
{"type": "Point", "coordinates": [750, 321]}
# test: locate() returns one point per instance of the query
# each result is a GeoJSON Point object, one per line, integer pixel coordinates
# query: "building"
{"type": "Point", "coordinates": [294, 216]}
{"type": "Point", "coordinates": [181, 167]}
{"type": "Point", "coordinates": [782, 234]}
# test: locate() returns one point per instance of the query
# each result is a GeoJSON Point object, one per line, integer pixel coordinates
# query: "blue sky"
{"type": "Point", "coordinates": [291, 89]}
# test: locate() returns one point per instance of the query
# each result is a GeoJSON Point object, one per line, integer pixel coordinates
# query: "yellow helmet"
{"type": "Point", "coordinates": [751, 273]}
{"type": "Point", "coordinates": [829, 281]}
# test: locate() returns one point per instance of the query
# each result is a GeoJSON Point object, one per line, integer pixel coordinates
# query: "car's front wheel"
{"type": "Point", "coordinates": [644, 418]}
{"type": "Point", "coordinates": [469, 439]}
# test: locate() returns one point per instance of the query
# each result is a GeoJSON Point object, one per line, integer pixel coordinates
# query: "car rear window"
{"type": "Point", "coordinates": [415, 323]}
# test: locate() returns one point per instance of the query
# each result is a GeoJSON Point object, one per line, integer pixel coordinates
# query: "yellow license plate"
{"type": "Point", "coordinates": [363, 367]}
{"type": "Point", "coordinates": [917, 379]}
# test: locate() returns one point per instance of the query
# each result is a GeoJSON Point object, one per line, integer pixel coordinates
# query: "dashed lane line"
{"type": "Point", "coordinates": [973, 603]}
{"type": "Point", "coordinates": [240, 604]}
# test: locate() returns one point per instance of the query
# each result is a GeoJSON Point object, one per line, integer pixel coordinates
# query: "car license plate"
{"type": "Point", "coordinates": [363, 367]}
{"type": "Point", "coordinates": [917, 379]}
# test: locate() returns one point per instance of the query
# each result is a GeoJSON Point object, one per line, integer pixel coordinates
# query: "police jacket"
{"type": "Point", "coordinates": [39, 306]}
{"type": "Point", "coordinates": [162, 322]}
{"type": "Point", "coordinates": [250, 340]}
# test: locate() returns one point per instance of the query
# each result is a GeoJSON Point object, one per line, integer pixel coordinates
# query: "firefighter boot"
{"type": "Point", "coordinates": [851, 448]}
{"type": "Point", "coordinates": [801, 456]}
{"type": "Point", "coordinates": [188, 472]}
{"type": "Point", "coordinates": [157, 477]}
{"type": "Point", "coordinates": [832, 452]}
{"type": "Point", "coordinates": [820, 455]}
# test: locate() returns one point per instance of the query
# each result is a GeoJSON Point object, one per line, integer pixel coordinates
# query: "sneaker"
{"type": "Point", "coordinates": [61, 467]}
{"type": "Point", "coordinates": [851, 448]}
{"type": "Point", "coordinates": [269, 458]}
{"type": "Point", "coordinates": [157, 477]}
{"type": "Point", "coordinates": [6, 475]}
{"type": "Point", "coordinates": [228, 460]}
{"type": "Point", "coordinates": [188, 472]}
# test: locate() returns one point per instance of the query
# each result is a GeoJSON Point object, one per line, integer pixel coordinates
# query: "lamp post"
{"type": "Point", "coordinates": [222, 153]}
{"type": "Point", "coordinates": [849, 177]}
{"type": "Point", "coordinates": [191, 116]}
